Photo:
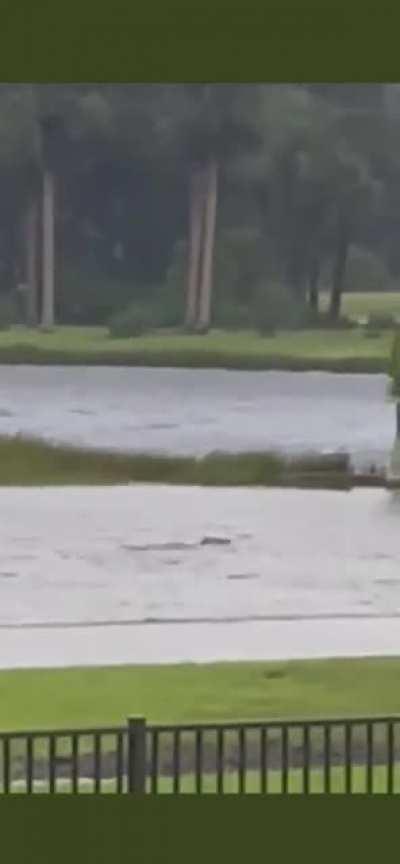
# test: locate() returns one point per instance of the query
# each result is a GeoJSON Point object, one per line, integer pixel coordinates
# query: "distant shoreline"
{"type": "Point", "coordinates": [337, 351]}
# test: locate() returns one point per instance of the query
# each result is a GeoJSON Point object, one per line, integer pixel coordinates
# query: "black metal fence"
{"type": "Point", "coordinates": [340, 755]}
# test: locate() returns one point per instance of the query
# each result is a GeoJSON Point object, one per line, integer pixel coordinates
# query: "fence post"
{"type": "Point", "coordinates": [136, 755]}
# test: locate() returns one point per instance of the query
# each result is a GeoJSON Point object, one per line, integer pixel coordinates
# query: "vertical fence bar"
{"type": "Point", "coordinates": [220, 761]}
{"type": "Point", "coordinates": [264, 760]}
{"type": "Point", "coordinates": [199, 762]}
{"type": "Point", "coordinates": [306, 759]}
{"type": "Point", "coordinates": [154, 761]}
{"type": "Point", "coordinates": [285, 760]}
{"type": "Point", "coordinates": [136, 755]}
{"type": "Point", "coordinates": [52, 764]}
{"type": "Point", "coordinates": [348, 729]}
{"type": "Point", "coordinates": [6, 765]}
{"type": "Point", "coordinates": [29, 764]}
{"type": "Point", "coordinates": [370, 758]}
{"type": "Point", "coordinates": [119, 761]}
{"type": "Point", "coordinates": [390, 757]}
{"type": "Point", "coordinates": [327, 759]}
{"type": "Point", "coordinates": [176, 762]}
{"type": "Point", "coordinates": [242, 761]}
{"type": "Point", "coordinates": [75, 763]}
{"type": "Point", "coordinates": [97, 762]}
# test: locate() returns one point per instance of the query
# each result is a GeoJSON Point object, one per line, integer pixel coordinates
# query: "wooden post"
{"type": "Point", "coordinates": [136, 755]}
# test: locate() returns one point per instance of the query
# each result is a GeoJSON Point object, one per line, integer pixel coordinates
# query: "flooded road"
{"type": "Point", "coordinates": [183, 411]}
{"type": "Point", "coordinates": [162, 574]}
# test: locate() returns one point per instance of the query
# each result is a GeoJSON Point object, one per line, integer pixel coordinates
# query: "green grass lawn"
{"type": "Point", "coordinates": [83, 698]}
{"type": "Point", "coordinates": [343, 350]}
{"type": "Point", "coordinates": [358, 305]}
{"type": "Point", "coordinates": [31, 463]}
{"type": "Point", "coordinates": [79, 697]}
{"type": "Point", "coordinates": [24, 462]}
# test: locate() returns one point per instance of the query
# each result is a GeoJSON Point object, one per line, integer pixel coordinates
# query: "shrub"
{"type": "Point", "coordinates": [8, 311]}
{"type": "Point", "coordinates": [322, 321]}
{"type": "Point", "coordinates": [232, 316]}
{"type": "Point", "coordinates": [395, 364]}
{"type": "Point", "coordinates": [131, 322]}
{"type": "Point", "coordinates": [380, 321]}
{"type": "Point", "coordinates": [86, 297]}
{"type": "Point", "coordinates": [365, 271]}
{"type": "Point", "coordinates": [276, 307]}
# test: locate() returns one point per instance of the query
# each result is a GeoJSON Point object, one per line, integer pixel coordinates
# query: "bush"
{"type": "Point", "coordinates": [395, 364]}
{"type": "Point", "coordinates": [276, 307]}
{"type": "Point", "coordinates": [380, 321]}
{"type": "Point", "coordinates": [322, 321]}
{"type": "Point", "coordinates": [133, 321]}
{"type": "Point", "coordinates": [232, 316]}
{"type": "Point", "coordinates": [365, 271]}
{"type": "Point", "coordinates": [238, 268]}
{"type": "Point", "coordinates": [85, 297]}
{"type": "Point", "coordinates": [8, 311]}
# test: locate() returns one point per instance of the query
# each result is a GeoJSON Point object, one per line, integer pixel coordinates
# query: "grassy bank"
{"type": "Point", "coordinates": [175, 694]}
{"type": "Point", "coordinates": [35, 463]}
{"type": "Point", "coordinates": [335, 351]}
{"type": "Point", "coordinates": [359, 305]}
{"type": "Point", "coordinates": [31, 463]}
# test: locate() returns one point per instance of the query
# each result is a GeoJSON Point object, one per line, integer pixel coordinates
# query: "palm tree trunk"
{"type": "Point", "coordinates": [338, 275]}
{"type": "Point", "coordinates": [206, 283]}
{"type": "Point", "coordinates": [47, 321]}
{"type": "Point", "coordinates": [31, 260]}
{"type": "Point", "coordinates": [313, 292]}
{"type": "Point", "coordinates": [194, 244]}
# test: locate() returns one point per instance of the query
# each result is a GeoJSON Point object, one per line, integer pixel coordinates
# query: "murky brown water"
{"type": "Point", "coordinates": [124, 575]}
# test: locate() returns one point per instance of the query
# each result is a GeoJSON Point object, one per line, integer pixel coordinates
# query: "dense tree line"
{"type": "Point", "coordinates": [193, 199]}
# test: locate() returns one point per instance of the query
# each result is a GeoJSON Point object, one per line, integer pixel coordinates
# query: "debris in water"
{"type": "Point", "coordinates": [215, 541]}
{"type": "Point", "coordinates": [240, 576]}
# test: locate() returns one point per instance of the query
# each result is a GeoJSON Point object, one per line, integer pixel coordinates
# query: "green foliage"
{"type": "Point", "coordinates": [395, 364]}
{"type": "Point", "coordinates": [240, 264]}
{"type": "Point", "coordinates": [322, 321]}
{"type": "Point", "coordinates": [381, 321]}
{"type": "Point", "coordinates": [86, 295]}
{"type": "Point", "coordinates": [84, 697]}
{"type": "Point", "coordinates": [232, 316]}
{"type": "Point", "coordinates": [133, 321]}
{"type": "Point", "coordinates": [276, 307]}
{"type": "Point", "coordinates": [296, 350]}
{"type": "Point", "coordinates": [8, 311]}
{"type": "Point", "coordinates": [365, 271]}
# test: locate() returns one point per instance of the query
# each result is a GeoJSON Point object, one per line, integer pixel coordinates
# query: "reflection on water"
{"type": "Point", "coordinates": [199, 410]}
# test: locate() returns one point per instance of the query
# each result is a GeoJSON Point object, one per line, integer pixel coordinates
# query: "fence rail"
{"type": "Point", "coordinates": [303, 756]}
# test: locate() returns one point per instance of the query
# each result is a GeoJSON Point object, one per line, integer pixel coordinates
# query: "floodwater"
{"type": "Point", "coordinates": [196, 411]}
{"type": "Point", "coordinates": [145, 574]}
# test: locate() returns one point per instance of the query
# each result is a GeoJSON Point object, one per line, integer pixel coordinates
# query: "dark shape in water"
{"type": "Point", "coordinates": [159, 547]}
{"type": "Point", "coordinates": [215, 541]}
{"type": "Point", "coordinates": [242, 576]}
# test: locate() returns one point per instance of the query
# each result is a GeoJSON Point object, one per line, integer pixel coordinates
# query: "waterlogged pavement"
{"type": "Point", "coordinates": [195, 411]}
{"type": "Point", "coordinates": [147, 574]}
